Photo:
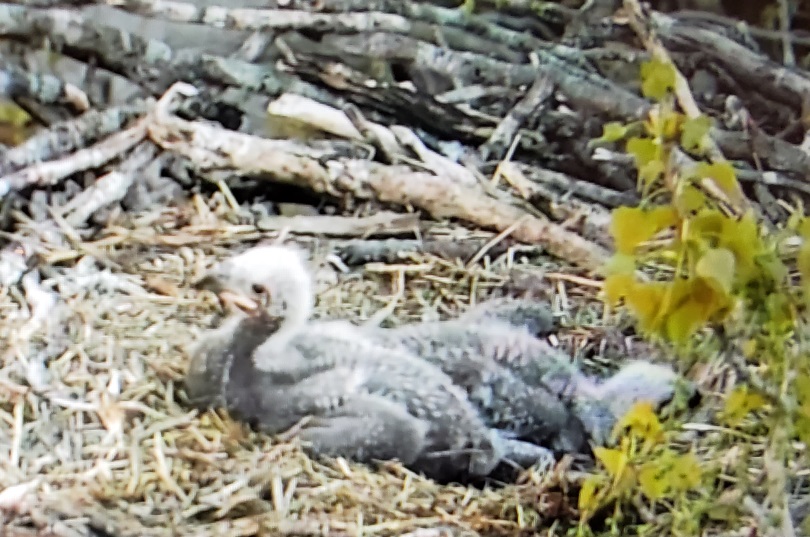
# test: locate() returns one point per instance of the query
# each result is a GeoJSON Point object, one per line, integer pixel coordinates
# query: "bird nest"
{"type": "Point", "coordinates": [99, 435]}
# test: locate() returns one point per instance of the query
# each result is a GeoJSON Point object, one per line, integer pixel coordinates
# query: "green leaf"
{"type": "Point", "coordinates": [779, 309]}
{"type": "Point", "coordinates": [801, 387]}
{"type": "Point", "coordinates": [657, 79]}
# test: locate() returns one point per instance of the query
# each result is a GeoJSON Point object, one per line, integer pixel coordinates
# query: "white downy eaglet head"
{"type": "Point", "coordinates": [275, 276]}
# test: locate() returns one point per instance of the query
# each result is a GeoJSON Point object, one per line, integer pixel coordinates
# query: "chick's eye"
{"type": "Point", "coordinates": [258, 289]}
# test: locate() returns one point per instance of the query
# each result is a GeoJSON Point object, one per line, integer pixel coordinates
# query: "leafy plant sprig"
{"type": "Point", "coordinates": [691, 259]}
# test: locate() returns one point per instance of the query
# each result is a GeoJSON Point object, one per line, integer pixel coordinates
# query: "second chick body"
{"type": "Point", "coordinates": [521, 384]}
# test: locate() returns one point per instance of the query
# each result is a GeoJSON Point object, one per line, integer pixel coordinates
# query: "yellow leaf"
{"type": "Point", "coordinates": [649, 479]}
{"type": "Point", "coordinates": [695, 132]}
{"type": "Point", "coordinates": [779, 310]}
{"type": "Point", "coordinates": [801, 387]}
{"type": "Point", "coordinates": [631, 226]}
{"type": "Point", "coordinates": [803, 264]}
{"type": "Point", "coordinates": [15, 123]}
{"type": "Point", "coordinates": [694, 303]}
{"type": "Point", "coordinates": [727, 506]}
{"type": "Point", "coordinates": [723, 175]}
{"type": "Point", "coordinates": [651, 172]}
{"type": "Point", "coordinates": [618, 286]}
{"type": "Point", "coordinates": [642, 422]}
{"type": "Point", "coordinates": [588, 497]}
{"type": "Point", "coordinates": [645, 303]}
{"type": "Point", "coordinates": [467, 7]}
{"type": "Point", "coordinates": [741, 236]}
{"type": "Point", "coordinates": [707, 223]}
{"type": "Point", "coordinates": [12, 114]}
{"type": "Point", "coordinates": [673, 123]}
{"type": "Point", "coordinates": [663, 123]}
{"type": "Point", "coordinates": [682, 323]}
{"type": "Point", "coordinates": [716, 266]}
{"type": "Point", "coordinates": [663, 217]}
{"type": "Point", "coordinates": [613, 132]}
{"type": "Point", "coordinates": [749, 348]}
{"type": "Point", "coordinates": [614, 460]}
{"type": "Point", "coordinates": [620, 264]}
{"type": "Point", "coordinates": [689, 472]}
{"type": "Point", "coordinates": [801, 423]}
{"type": "Point", "coordinates": [657, 79]}
{"type": "Point", "coordinates": [689, 200]}
{"type": "Point", "coordinates": [643, 150]}
{"type": "Point", "coordinates": [739, 403]}
{"type": "Point", "coordinates": [669, 473]}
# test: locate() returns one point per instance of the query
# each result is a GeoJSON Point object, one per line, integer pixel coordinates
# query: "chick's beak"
{"type": "Point", "coordinates": [239, 300]}
{"type": "Point", "coordinates": [230, 298]}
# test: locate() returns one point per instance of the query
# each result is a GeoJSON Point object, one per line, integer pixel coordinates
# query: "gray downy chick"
{"type": "Point", "coordinates": [533, 315]}
{"type": "Point", "coordinates": [597, 402]}
{"type": "Point", "coordinates": [523, 385]}
{"type": "Point", "coordinates": [273, 367]}
{"type": "Point", "coordinates": [505, 372]}
{"type": "Point", "coordinates": [518, 383]}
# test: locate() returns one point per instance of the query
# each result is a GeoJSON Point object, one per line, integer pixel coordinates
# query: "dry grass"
{"type": "Point", "coordinates": [97, 433]}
